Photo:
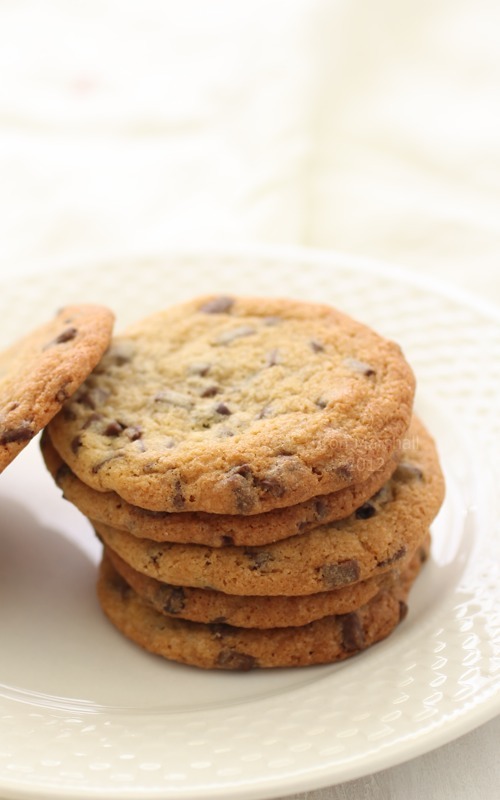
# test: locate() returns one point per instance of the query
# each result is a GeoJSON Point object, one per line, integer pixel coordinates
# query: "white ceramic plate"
{"type": "Point", "coordinates": [84, 713]}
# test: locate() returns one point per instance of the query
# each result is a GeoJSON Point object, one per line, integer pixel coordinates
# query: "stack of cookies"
{"type": "Point", "coordinates": [260, 484]}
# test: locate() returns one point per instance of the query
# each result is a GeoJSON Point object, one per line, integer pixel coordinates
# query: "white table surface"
{"type": "Point", "coordinates": [372, 129]}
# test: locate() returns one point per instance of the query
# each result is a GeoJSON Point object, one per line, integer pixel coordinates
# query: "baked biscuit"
{"type": "Point", "coordinates": [371, 541]}
{"type": "Point", "coordinates": [215, 530]}
{"type": "Point", "coordinates": [221, 646]}
{"type": "Point", "coordinates": [204, 605]}
{"type": "Point", "coordinates": [44, 368]}
{"type": "Point", "coordinates": [237, 406]}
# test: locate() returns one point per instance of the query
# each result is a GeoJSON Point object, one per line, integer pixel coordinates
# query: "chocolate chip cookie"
{"type": "Point", "coordinates": [204, 605]}
{"type": "Point", "coordinates": [42, 370]}
{"type": "Point", "coordinates": [221, 646]}
{"type": "Point", "coordinates": [215, 530]}
{"type": "Point", "coordinates": [371, 541]}
{"type": "Point", "coordinates": [237, 406]}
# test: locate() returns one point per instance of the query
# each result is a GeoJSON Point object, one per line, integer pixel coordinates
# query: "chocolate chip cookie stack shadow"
{"type": "Point", "coordinates": [260, 485]}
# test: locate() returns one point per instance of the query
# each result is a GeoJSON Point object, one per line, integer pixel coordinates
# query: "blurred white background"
{"type": "Point", "coordinates": [372, 128]}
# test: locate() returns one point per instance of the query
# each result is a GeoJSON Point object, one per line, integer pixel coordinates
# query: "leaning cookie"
{"type": "Point", "coordinates": [382, 532]}
{"type": "Point", "coordinates": [221, 646]}
{"type": "Point", "coordinates": [207, 606]}
{"type": "Point", "coordinates": [237, 406]}
{"type": "Point", "coordinates": [215, 530]}
{"type": "Point", "coordinates": [42, 370]}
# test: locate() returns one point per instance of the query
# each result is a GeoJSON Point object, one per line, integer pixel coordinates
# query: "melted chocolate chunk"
{"type": "Point", "coordinates": [259, 560]}
{"type": "Point", "coordinates": [174, 601]}
{"type": "Point", "coordinates": [22, 433]}
{"type": "Point", "coordinates": [397, 556]}
{"type": "Point", "coordinates": [92, 398]}
{"type": "Point", "coordinates": [210, 391]}
{"type": "Point", "coordinates": [76, 443]}
{"type": "Point", "coordinates": [353, 637]}
{"type": "Point", "coordinates": [344, 472]}
{"type": "Point", "coordinates": [227, 541]}
{"type": "Point", "coordinates": [340, 574]}
{"type": "Point", "coordinates": [178, 499]}
{"type": "Point", "coordinates": [219, 305]}
{"type": "Point", "coordinates": [114, 428]}
{"type": "Point", "coordinates": [62, 473]}
{"type": "Point", "coordinates": [65, 336]}
{"type": "Point", "coordinates": [221, 408]}
{"type": "Point", "coordinates": [403, 610]}
{"type": "Point", "coordinates": [366, 511]}
{"type": "Point", "coordinates": [232, 659]}
{"type": "Point", "coordinates": [316, 346]}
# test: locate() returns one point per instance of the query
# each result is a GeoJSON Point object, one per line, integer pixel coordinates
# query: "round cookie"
{"type": "Point", "coordinates": [371, 541]}
{"type": "Point", "coordinates": [204, 605]}
{"type": "Point", "coordinates": [220, 646]}
{"type": "Point", "coordinates": [237, 406]}
{"type": "Point", "coordinates": [215, 530]}
{"type": "Point", "coordinates": [44, 368]}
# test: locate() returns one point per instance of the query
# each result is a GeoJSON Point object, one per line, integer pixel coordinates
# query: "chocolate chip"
{"type": "Point", "coordinates": [76, 443]}
{"type": "Point", "coordinates": [320, 508]}
{"type": "Point", "coordinates": [360, 366]}
{"type": "Point", "coordinates": [366, 511]}
{"type": "Point", "coordinates": [218, 305]}
{"type": "Point", "coordinates": [231, 659]}
{"type": "Point", "coordinates": [202, 369]}
{"type": "Point", "coordinates": [62, 473]}
{"type": "Point", "coordinates": [92, 398]}
{"type": "Point", "coordinates": [344, 472]}
{"type": "Point", "coordinates": [178, 498]}
{"type": "Point", "coordinates": [403, 610]}
{"type": "Point", "coordinates": [65, 336]}
{"type": "Point", "coordinates": [227, 541]}
{"type": "Point", "coordinates": [397, 556]}
{"type": "Point", "coordinates": [210, 391]}
{"type": "Point", "coordinates": [134, 432]}
{"type": "Point", "coordinates": [114, 428]}
{"type": "Point", "coordinates": [353, 636]}
{"type": "Point", "coordinates": [316, 346]}
{"type": "Point", "coordinates": [22, 433]}
{"type": "Point", "coordinates": [340, 574]}
{"type": "Point", "coordinates": [258, 559]}
{"type": "Point", "coordinates": [223, 409]}
{"type": "Point", "coordinates": [175, 600]}
{"type": "Point", "coordinates": [320, 403]}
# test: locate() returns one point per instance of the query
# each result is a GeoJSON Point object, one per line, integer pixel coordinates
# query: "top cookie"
{"type": "Point", "coordinates": [39, 372]}
{"type": "Point", "coordinates": [237, 406]}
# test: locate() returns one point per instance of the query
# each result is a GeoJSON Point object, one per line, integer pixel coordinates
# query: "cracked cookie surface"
{"type": "Point", "coordinates": [237, 406]}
